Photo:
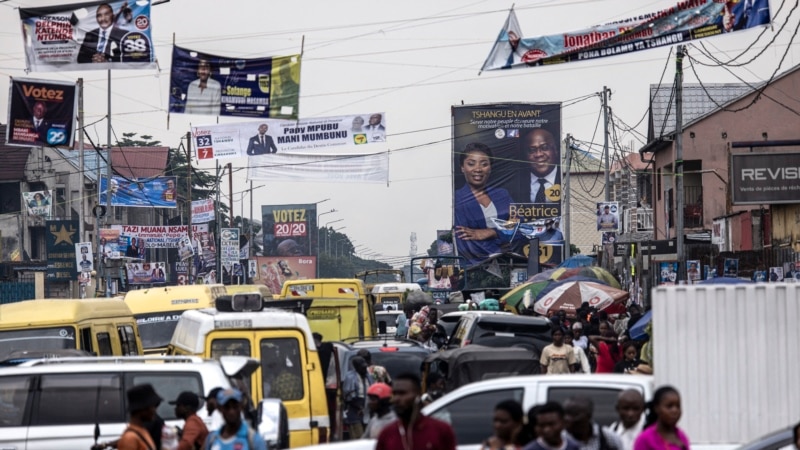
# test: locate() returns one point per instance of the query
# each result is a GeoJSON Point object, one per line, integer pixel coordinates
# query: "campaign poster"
{"type": "Point", "coordinates": [132, 246]}
{"type": "Point", "coordinates": [668, 274]}
{"type": "Point", "coordinates": [608, 216]}
{"type": "Point", "coordinates": [775, 274]}
{"type": "Point", "coordinates": [180, 273]}
{"type": "Point", "coordinates": [202, 83]}
{"type": "Point", "coordinates": [229, 247]}
{"type": "Point", "coordinates": [709, 272]}
{"type": "Point", "coordinates": [166, 236]}
{"type": "Point", "coordinates": [252, 269]}
{"type": "Point", "coordinates": [609, 237]}
{"type": "Point", "coordinates": [693, 270]}
{"type": "Point", "coordinates": [84, 257]}
{"type": "Point", "coordinates": [158, 192]}
{"type": "Point", "coordinates": [731, 269]}
{"type": "Point", "coordinates": [685, 21]}
{"type": "Point", "coordinates": [203, 211]}
{"type": "Point", "coordinates": [110, 243]}
{"type": "Point", "coordinates": [510, 155]}
{"type": "Point", "coordinates": [98, 35]}
{"type": "Point", "coordinates": [61, 237]}
{"type": "Point", "coordinates": [41, 113]}
{"type": "Point", "coordinates": [146, 273]}
{"type": "Point", "coordinates": [341, 149]}
{"type": "Point", "coordinates": [274, 270]}
{"type": "Point", "coordinates": [38, 203]}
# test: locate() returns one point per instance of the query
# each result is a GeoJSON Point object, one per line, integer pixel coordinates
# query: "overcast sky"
{"type": "Point", "coordinates": [412, 59]}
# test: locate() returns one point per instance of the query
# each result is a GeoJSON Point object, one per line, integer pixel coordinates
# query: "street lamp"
{"type": "Point", "coordinates": [327, 232]}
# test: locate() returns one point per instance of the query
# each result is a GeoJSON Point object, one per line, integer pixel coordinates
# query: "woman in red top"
{"type": "Point", "coordinates": [609, 352]}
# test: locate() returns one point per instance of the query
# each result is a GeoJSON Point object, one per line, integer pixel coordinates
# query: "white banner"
{"type": "Point", "coordinates": [162, 236]}
{"type": "Point", "coordinates": [342, 148]}
{"type": "Point", "coordinates": [84, 258]}
{"type": "Point", "coordinates": [203, 211]}
{"type": "Point", "coordinates": [229, 247]}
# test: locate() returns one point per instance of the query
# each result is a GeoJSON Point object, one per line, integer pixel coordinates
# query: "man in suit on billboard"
{"type": "Point", "coordinates": [262, 143]}
{"type": "Point", "coordinates": [542, 173]}
{"type": "Point", "coordinates": [39, 122]}
{"type": "Point", "coordinates": [102, 44]}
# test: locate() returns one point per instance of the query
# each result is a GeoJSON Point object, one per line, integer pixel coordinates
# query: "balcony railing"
{"type": "Point", "coordinates": [639, 219]}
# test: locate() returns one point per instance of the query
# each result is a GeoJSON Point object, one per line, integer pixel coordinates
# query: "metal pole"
{"type": "Point", "coordinates": [189, 200]}
{"type": "Point", "coordinates": [219, 219]}
{"type": "Point", "coordinates": [230, 191]}
{"type": "Point", "coordinates": [250, 225]}
{"type": "Point", "coordinates": [81, 162]}
{"type": "Point", "coordinates": [109, 207]}
{"type": "Point", "coordinates": [605, 142]}
{"type": "Point", "coordinates": [567, 216]}
{"type": "Point", "coordinates": [679, 160]}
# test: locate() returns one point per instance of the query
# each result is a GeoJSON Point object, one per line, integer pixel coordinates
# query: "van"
{"type": "Point", "coordinates": [157, 310]}
{"type": "Point", "coordinates": [101, 326]}
{"type": "Point", "coordinates": [340, 309]}
{"type": "Point", "coordinates": [392, 294]}
{"type": "Point", "coordinates": [280, 340]}
{"type": "Point", "coordinates": [59, 403]}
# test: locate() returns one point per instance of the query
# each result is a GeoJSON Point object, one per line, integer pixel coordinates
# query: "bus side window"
{"type": "Point", "coordinates": [86, 339]}
{"type": "Point", "coordinates": [104, 344]}
{"type": "Point", "coordinates": [127, 340]}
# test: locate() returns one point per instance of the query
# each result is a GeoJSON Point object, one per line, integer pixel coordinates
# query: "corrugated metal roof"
{"type": "Point", "coordinates": [698, 101]}
{"type": "Point", "coordinates": [13, 159]}
{"type": "Point", "coordinates": [90, 160]}
{"type": "Point", "coordinates": [139, 162]}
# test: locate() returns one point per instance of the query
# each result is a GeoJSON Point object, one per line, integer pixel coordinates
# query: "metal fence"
{"type": "Point", "coordinates": [21, 289]}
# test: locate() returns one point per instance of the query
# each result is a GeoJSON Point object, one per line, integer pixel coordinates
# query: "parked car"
{"type": "Point", "coordinates": [388, 319]}
{"type": "Point", "coordinates": [500, 329]}
{"type": "Point", "coordinates": [397, 355]}
{"type": "Point", "coordinates": [450, 320]}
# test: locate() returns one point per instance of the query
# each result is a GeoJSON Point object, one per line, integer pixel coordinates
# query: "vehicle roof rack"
{"type": "Point", "coordinates": [112, 359]}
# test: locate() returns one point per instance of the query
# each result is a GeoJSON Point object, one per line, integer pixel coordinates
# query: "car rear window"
{"type": "Point", "coordinates": [499, 334]}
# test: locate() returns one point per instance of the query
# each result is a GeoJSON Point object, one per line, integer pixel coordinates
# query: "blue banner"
{"type": "Point", "coordinates": [159, 192]}
{"type": "Point", "coordinates": [687, 20]}
{"type": "Point", "coordinates": [88, 36]}
{"type": "Point", "coordinates": [201, 83]}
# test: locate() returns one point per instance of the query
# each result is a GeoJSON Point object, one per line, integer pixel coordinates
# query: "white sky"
{"type": "Point", "coordinates": [412, 59]}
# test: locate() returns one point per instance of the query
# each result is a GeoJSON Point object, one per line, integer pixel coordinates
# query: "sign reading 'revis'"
{"type": "Point", "coordinates": [765, 178]}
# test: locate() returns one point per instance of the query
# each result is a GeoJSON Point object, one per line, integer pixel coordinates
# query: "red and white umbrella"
{"type": "Point", "coordinates": [570, 296]}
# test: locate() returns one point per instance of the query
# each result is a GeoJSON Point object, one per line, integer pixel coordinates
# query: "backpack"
{"type": "Point", "coordinates": [212, 436]}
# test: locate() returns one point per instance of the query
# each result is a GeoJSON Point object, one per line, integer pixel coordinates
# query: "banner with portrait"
{"type": "Point", "coordinates": [146, 273]}
{"type": "Point", "coordinates": [41, 112]}
{"type": "Point", "coordinates": [61, 236]}
{"type": "Point", "coordinates": [203, 211]}
{"type": "Point", "coordinates": [608, 216]}
{"type": "Point", "coordinates": [668, 273]}
{"type": "Point", "coordinates": [506, 161]}
{"type": "Point", "coordinates": [291, 231]}
{"type": "Point", "coordinates": [38, 203]}
{"type": "Point", "coordinates": [685, 21]}
{"type": "Point", "coordinates": [88, 36]}
{"type": "Point", "coordinates": [157, 192]}
{"type": "Point", "coordinates": [202, 83]}
{"type": "Point", "coordinates": [163, 236]}
{"type": "Point", "coordinates": [731, 268]}
{"type": "Point", "coordinates": [273, 271]}
{"type": "Point", "coordinates": [84, 258]}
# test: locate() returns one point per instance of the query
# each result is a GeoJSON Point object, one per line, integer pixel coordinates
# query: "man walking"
{"type": "Point", "coordinates": [558, 357]}
{"type": "Point", "coordinates": [549, 427]}
{"type": "Point", "coordinates": [235, 434]}
{"type": "Point", "coordinates": [586, 432]}
{"type": "Point", "coordinates": [379, 402]}
{"type": "Point", "coordinates": [412, 429]}
{"type": "Point", "coordinates": [142, 404]}
{"type": "Point", "coordinates": [194, 430]}
{"type": "Point", "coordinates": [630, 406]}
{"type": "Point", "coordinates": [356, 385]}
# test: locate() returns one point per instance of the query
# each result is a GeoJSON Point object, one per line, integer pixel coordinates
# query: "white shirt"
{"type": "Point", "coordinates": [628, 435]}
{"type": "Point", "coordinates": [205, 101]}
{"type": "Point", "coordinates": [489, 213]}
{"type": "Point", "coordinates": [551, 180]}
{"type": "Point", "coordinates": [583, 360]}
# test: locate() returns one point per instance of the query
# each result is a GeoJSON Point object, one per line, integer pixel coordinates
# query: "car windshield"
{"type": "Point", "coordinates": [55, 338]}
{"type": "Point", "coordinates": [156, 329]}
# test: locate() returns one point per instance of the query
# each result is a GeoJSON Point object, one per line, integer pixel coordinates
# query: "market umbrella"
{"type": "Point", "coordinates": [544, 275]}
{"type": "Point", "coordinates": [577, 261]}
{"type": "Point", "coordinates": [637, 331]}
{"type": "Point", "coordinates": [563, 273]}
{"type": "Point", "coordinates": [570, 295]}
{"type": "Point", "coordinates": [515, 298]}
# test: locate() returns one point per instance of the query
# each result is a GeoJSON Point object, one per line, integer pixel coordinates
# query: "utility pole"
{"type": "Point", "coordinates": [109, 206]}
{"type": "Point", "coordinates": [566, 216]}
{"type": "Point", "coordinates": [605, 142]}
{"type": "Point", "coordinates": [230, 191]}
{"type": "Point", "coordinates": [219, 224]}
{"type": "Point", "coordinates": [189, 198]}
{"type": "Point", "coordinates": [679, 160]}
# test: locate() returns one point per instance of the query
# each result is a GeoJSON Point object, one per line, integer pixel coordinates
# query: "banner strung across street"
{"type": "Point", "coordinates": [203, 211]}
{"type": "Point", "coordinates": [41, 112]}
{"type": "Point", "coordinates": [38, 203]}
{"type": "Point", "coordinates": [339, 148]}
{"type": "Point", "coordinates": [146, 273]}
{"type": "Point", "coordinates": [686, 21]}
{"type": "Point", "coordinates": [158, 192]}
{"type": "Point", "coordinates": [201, 83]}
{"type": "Point", "coordinates": [61, 238]}
{"type": "Point", "coordinates": [290, 232]}
{"type": "Point", "coordinates": [88, 36]}
{"type": "Point", "coordinates": [510, 155]}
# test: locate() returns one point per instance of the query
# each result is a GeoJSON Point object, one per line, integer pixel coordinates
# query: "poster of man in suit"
{"type": "Point", "coordinates": [41, 112]}
{"type": "Point", "coordinates": [261, 143]}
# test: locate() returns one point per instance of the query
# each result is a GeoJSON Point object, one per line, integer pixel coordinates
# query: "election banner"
{"type": "Point", "coordinates": [158, 192]}
{"type": "Point", "coordinates": [201, 83]}
{"type": "Point", "coordinates": [693, 270]}
{"type": "Point", "coordinates": [274, 271]}
{"type": "Point", "coordinates": [146, 273]}
{"type": "Point", "coordinates": [608, 216]}
{"type": "Point", "coordinates": [180, 273]}
{"type": "Point", "coordinates": [61, 237]}
{"type": "Point", "coordinates": [252, 269]}
{"type": "Point", "coordinates": [38, 203]}
{"type": "Point", "coordinates": [88, 36]}
{"type": "Point", "coordinates": [41, 112]}
{"type": "Point", "coordinates": [342, 148]}
{"type": "Point", "coordinates": [185, 248]}
{"type": "Point", "coordinates": [509, 153]}
{"type": "Point", "coordinates": [686, 21]}
{"type": "Point", "coordinates": [203, 211]}
{"type": "Point", "coordinates": [164, 236]}
{"type": "Point", "coordinates": [84, 258]}
{"type": "Point", "coordinates": [229, 247]}
{"type": "Point", "coordinates": [668, 273]}
{"type": "Point", "coordinates": [731, 268]}
{"type": "Point", "coordinates": [110, 243]}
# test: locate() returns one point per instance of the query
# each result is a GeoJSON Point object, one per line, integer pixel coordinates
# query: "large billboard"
{"type": "Point", "coordinates": [290, 231]}
{"type": "Point", "coordinates": [506, 172]}
{"type": "Point", "coordinates": [201, 83]}
{"type": "Point", "coordinates": [41, 113]}
{"type": "Point", "coordinates": [685, 21]}
{"type": "Point", "coordinates": [765, 178]}
{"type": "Point", "coordinates": [88, 36]}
